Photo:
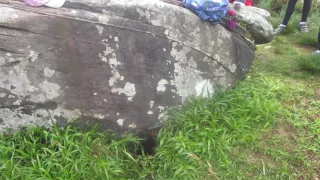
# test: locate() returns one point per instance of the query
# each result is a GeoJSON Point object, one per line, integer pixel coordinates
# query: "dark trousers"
{"type": "Point", "coordinates": [318, 46]}
{"type": "Point", "coordinates": [291, 5]}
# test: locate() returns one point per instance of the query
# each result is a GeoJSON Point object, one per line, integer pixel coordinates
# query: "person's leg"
{"type": "Point", "coordinates": [305, 12]}
{"type": "Point", "coordinates": [317, 52]}
{"type": "Point", "coordinates": [319, 39]}
{"type": "Point", "coordinates": [289, 12]}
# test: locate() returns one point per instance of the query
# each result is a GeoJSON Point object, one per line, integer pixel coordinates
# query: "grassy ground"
{"type": "Point", "coordinates": [268, 127]}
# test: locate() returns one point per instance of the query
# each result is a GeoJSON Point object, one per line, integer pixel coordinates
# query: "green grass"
{"type": "Point", "coordinates": [68, 153]}
{"type": "Point", "coordinates": [211, 128]}
{"type": "Point", "coordinates": [267, 127]}
{"type": "Point", "coordinates": [265, 4]}
{"type": "Point", "coordinates": [308, 39]}
{"type": "Point", "coordinates": [309, 63]}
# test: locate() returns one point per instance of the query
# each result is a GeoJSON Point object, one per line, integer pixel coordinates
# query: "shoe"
{"type": "Point", "coordinates": [303, 28]}
{"type": "Point", "coordinates": [279, 29]}
{"type": "Point", "coordinates": [317, 52]}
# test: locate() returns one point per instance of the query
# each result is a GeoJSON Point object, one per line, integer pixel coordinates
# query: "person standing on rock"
{"type": "Point", "coordinates": [290, 8]}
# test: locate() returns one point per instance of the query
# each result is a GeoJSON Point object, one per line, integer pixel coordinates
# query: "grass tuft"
{"type": "Point", "coordinates": [308, 39]}
{"type": "Point", "coordinates": [38, 153]}
{"type": "Point", "coordinates": [309, 63]}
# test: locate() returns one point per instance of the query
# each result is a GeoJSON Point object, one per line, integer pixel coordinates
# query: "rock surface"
{"type": "Point", "coordinates": [256, 22]}
{"type": "Point", "coordinates": [120, 63]}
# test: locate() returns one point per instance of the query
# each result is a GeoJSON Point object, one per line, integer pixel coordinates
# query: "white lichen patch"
{"type": "Point", "coordinates": [48, 72]}
{"type": "Point", "coordinates": [186, 75]}
{"type": "Point", "coordinates": [204, 88]}
{"type": "Point", "coordinates": [98, 116]}
{"type": "Point", "coordinates": [223, 82]}
{"type": "Point", "coordinates": [166, 32]}
{"type": "Point", "coordinates": [2, 95]}
{"type": "Point", "coordinates": [40, 117]}
{"type": "Point", "coordinates": [51, 90]}
{"type": "Point", "coordinates": [33, 56]}
{"type": "Point", "coordinates": [129, 90]}
{"type": "Point", "coordinates": [144, 14]}
{"type": "Point", "coordinates": [162, 85]}
{"type": "Point", "coordinates": [120, 122]}
{"type": "Point", "coordinates": [177, 35]}
{"type": "Point", "coordinates": [17, 82]}
{"type": "Point", "coordinates": [65, 113]}
{"type": "Point", "coordinates": [151, 103]}
{"type": "Point", "coordinates": [161, 108]}
{"type": "Point", "coordinates": [116, 76]}
{"type": "Point", "coordinates": [17, 102]}
{"type": "Point", "coordinates": [233, 68]}
{"type": "Point", "coordinates": [113, 61]}
{"type": "Point", "coordinates": [2, 61]}
{"type": "Point", "coordinates": [220, 72]}
{"type": "Point", "coordinates": [103, 19]}
{"type": "Point", "coordinates": [196, 34]}
{"type": "Point", "coordinates": [162, 113]}
{"type": "Point", "coordinates": [150, 112]}
{"type": "Point", "coordinates": [100, 29]}
{"type": "Point", "coordinates": [110, 57]}
{"type": "Point", "coordinates": [39, 98]}
{"type": "Point", "coordinates": [17, 77]}
{"type": "Point", "coordinates": [11, 120]}
{"type": "Point", "coordinates": [7, 15]}
{"type": "Point", "coordinates": [132, 125]}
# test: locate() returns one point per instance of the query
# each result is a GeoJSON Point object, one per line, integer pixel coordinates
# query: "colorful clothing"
{"type": "Point", "coordinates": [210, 10]}
{"type": "Point", "coordinates": [36, 2]}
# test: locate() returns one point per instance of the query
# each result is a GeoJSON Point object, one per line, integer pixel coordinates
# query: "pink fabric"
{"type": "Point", "coordinates": [36, 2]}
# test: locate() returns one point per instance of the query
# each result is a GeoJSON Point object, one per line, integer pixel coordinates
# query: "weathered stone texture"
{"type": "Point", "coordinates": [118, 62]}
{"type": "Point", "coordinates": [256, 21]}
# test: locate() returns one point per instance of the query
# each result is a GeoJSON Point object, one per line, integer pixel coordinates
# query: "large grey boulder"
{"type": "Point", "coordinates": [120, 63]}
